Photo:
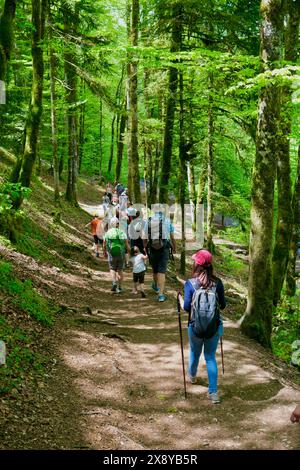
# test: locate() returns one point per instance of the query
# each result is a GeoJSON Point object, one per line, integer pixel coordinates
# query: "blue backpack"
{"type": "Point", "coordinates": [205, 311]}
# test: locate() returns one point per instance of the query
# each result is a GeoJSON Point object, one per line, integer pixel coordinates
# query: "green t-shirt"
{"type": "Point", "coordinates": [115, 239]}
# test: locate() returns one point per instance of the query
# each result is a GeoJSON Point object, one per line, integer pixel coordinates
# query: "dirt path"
{"type": "Point", "coordinates": [116, 380]}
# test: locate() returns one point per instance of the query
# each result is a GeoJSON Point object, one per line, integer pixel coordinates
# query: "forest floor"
{"type": "Point", "coordinates": [115, 376]}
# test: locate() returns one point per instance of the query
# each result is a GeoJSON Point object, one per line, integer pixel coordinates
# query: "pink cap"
{"type": "Point", "coordinates": [202, 257]}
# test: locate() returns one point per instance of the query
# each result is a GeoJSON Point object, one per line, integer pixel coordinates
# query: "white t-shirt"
{"type": "Point", "coordinates": [138, 263]}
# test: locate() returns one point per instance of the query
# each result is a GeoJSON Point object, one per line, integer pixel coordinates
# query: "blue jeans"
{"type": "Point", "coordinates": [210, 347]}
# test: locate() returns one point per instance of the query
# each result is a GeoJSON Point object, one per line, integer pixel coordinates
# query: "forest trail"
{"type": "Point", "coordinates": [116, 379]}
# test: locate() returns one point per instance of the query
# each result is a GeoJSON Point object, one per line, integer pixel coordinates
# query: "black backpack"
{"type": "Point", "coordinates": [205, 311]}
{"type": "Point", "coordinates": [156, 243]}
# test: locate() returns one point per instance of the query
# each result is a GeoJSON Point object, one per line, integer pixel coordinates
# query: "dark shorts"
{"type": "Point", "coordinates": [98, 240]}
{"type": "Point", "coordinates": [139, 277]}
{"type": "Point", "coordinates": [159, 260]}
{"type": "Point", "coordinates": [116, 263]}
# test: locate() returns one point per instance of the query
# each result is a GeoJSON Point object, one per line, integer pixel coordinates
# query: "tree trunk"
{"type": "Point", "coordinates": [71, 98]}
{"type": "Point", "coordinates": [101, 139]}
{"type": "Point", "coordinates": [6, 35]}
{"type": "Point", "coordinates": [257, 321]}
{"type": "Point", "coordinates": [183, 173]}
{"type": "Point", "coordinates": [291, 272]}
{"type": "Point", "coordinates": [53, 71]}
{"type": "Point", "coordinates": [120, 146]}
{"type": "Point", "coordinates": [112, 144]}
{"type": "Point", "coordinates": [210, 170]}
{"type": "Point", "coordinates": [25, 165]}
{"type": "Point", "coordinates": [171, 107]}
{"type": "Point", "coordinates": [285, 212]}
{"type": "Point", "coordinates": [133, 107]}
{"type": "Point", "coordinates": [81, 132]}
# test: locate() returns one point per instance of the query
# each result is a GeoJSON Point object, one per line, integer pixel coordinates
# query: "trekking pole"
{"type": "Point", "coordinates": [222, 355]}
{"type": "Point", "coordinates": [181, 342]}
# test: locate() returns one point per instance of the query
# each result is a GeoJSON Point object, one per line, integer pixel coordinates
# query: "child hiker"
{"type": "Point", "coordinates": [138, 270]}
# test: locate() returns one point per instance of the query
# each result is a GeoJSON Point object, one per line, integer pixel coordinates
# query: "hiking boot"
{"type": "Point", "coordinates": [143, 295]}
{"type": "Point", "coordinates": [214, 397]}
{"type": "Point", "coordinates": [154, 287]}
{"type": "Point", "coordinates": [162, 297]}
{"type": "Point", "coordinates": [119, 290]}
{"type": "Point", "coordinates": [193, 380]}
{"type": "Point", "coordinates": [114, 288]}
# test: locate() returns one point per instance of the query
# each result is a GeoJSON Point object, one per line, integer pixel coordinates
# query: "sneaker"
{"type": "Point", "coordinates": [214, 397]}
{"type": "Point", "coordinates": [134, 291]}
{"type": "Point", "coordinates": [143, 295]}
{"type": "Point", "coordinates": [162, 298]}
{"type": "Point", "coordinates": [193, 380]}
{"type": "Point", "coordinates": [154, 287]}
{"type": "Point", "coordinates": [114, 288]}
{"type": "Point", "coordinates": [119, 290]}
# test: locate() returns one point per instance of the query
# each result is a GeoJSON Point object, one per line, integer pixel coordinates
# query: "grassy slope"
{"type": "Point", "coordinates": [26, 310]}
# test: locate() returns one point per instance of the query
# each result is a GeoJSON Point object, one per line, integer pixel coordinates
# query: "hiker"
{"type": "Point", "coordinates": [119, 188]}
{"type": "Point", "coordinates": [97, 241]}
{"type": "Point", "coordinates": [123, 202]}
{"type": "Point", "coordinates": [109, 190]}
{"type": "Point", "coordinates": [115, 198]}
{"type": "Point", "coordinates": [158, 237]}
{"type": "Point", "coordinates": [138, 269]}
{"type": "Point", "coordinates": [115, 244]}
{"type": "Point", "coordinates": [295, 416]}
{"type": "Point", "coordinates": [131, 211]}
{"type": "Point", "coordinates": [135, 231]}
{"type": "Point", "coordinates": [206, 291]}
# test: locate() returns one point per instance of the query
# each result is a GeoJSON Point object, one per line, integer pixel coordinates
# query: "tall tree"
{"type": "Point", "coordinates": [210, 166]}
{"type": "Point", "coordinates": [53, 76]}
{"type": "Point", "coordinates": [257, 321]}
{"type": "Point", "coordinates": [6, 35]}
{"type": "Point", "coordinates": [285, 213]}
{"type": "Point", "coordinates": [70, 23]}
{"type": "Point", "coordinates": [291, 271]}
{"type": "Point", "coordinates": [133, 106]}
{"type": "Point", "coordinates": [171, 104]}
{"type": "Point", "coordinates": [24, 167]}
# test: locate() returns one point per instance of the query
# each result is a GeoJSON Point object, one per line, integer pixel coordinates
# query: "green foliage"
{"type": "Point", "coordinates": [231, 265]}
{"type": "Point", "coordinates": [25, 297]}
{"type": "Point", "coordinates": [286, 330]}
{"type": "Point", "coordinates": [21, 359]}
{"type": "Point", "coordinates": [235, 234]}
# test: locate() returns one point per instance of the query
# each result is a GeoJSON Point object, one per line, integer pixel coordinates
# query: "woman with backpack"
{"type": "Point", "coordinates": [203, 298]}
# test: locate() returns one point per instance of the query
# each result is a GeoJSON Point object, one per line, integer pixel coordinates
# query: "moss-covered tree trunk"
{"type": "Point", "coordinates": [6, 35]}
{"type": "Point", "coordinates": [71, 19]}
{"type": "Point", "coordinates": [120, 144]}
{"type": "Point", "coordinates": [81, 131]}
{"type": "Point", "coordinates": [133, 106]}
{"type": "Point", "coordinates": [166, 167]}
{"type": "Point", "coordinates": [291, 271]}
{"type": "Point", "coordinates": [101, 139]}
{"type": "Point", "coordinates": [210, 168]}
{"type": "Point", "coordinates": [54, 139]}
{"type": "Point", "coordinates": [257, 321]}
{"type": "Point", "coordinates": [24, 167]}
{"type": "Point", "coordinates": [182, 174]}
{"type": "Point", "coordinates": [285, 212]}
